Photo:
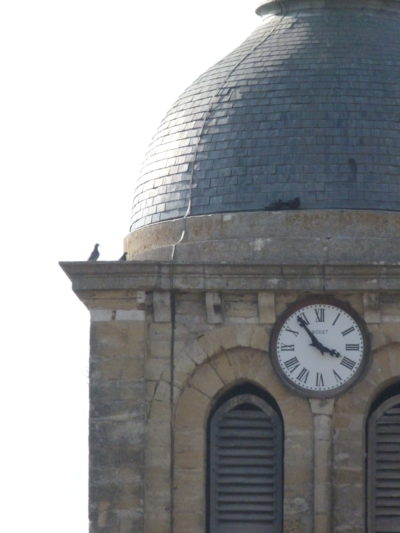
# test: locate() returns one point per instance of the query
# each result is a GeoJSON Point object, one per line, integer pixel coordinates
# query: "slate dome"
{"type": "Point", "coordinates": [308, 106]}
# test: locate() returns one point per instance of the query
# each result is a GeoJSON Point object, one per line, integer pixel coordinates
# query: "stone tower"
{"type": "Point", "coordinates": [245, 360]}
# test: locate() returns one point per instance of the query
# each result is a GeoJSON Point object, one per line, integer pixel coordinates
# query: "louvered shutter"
{"type": "Point", "coordinates": [384, 468]}
{"type": "Point", "coordinates": [245, 478]}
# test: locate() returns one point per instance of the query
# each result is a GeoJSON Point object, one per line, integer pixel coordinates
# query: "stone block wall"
{"type": "Point", "coordinates": [117, 413]}
{"type": "Point", "coordinates": [162, 356]}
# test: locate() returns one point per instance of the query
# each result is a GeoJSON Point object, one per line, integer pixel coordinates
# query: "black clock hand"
{"type": "Point", "coordinates": [334, 353]}
{"type": "Point", "coordinates": [314, 341]}
{"type": "Point", "coordinates": [324, 349]}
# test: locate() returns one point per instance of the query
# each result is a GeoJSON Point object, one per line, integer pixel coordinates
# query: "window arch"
{"type": "Point", "coordinates": [383, 463]}
{"type": "Point", "coordinates": [245, 463]}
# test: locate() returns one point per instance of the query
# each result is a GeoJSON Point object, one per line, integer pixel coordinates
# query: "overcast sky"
{"type": "Point", "coordinates": [84, 84]}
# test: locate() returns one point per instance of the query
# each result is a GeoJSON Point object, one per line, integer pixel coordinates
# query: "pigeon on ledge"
{"type": "Point", "coordinates": [95, 253]}
{"type": "Point", "coordinates": [123, 256]}
{"type": "Point", "coordinates": [280, 205]}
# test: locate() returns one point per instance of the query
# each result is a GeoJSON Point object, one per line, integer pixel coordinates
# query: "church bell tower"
{"type": "Point", "coordinates": [245, 359]}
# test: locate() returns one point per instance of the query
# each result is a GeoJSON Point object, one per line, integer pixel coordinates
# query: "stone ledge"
{"type": "Point", "coordinates": [88, 279]}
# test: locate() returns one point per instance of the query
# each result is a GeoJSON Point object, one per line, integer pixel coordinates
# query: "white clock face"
{"type": "Point", "coordinates": [319, 348]}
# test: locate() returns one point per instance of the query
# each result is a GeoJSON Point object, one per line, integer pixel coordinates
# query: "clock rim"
{"type": "Point", "coordinates": [327, 300]}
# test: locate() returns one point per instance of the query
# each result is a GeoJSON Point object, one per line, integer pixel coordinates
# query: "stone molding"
{"type": "Point", "coordinates": [210, 379]}
{"type": "Point", "coordinates": [148, 275]}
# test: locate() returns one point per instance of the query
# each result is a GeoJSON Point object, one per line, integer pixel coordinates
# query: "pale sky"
{"type": "Point", "coordinates": [84, 84]}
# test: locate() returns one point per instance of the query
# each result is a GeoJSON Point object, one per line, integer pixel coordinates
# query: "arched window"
{"type": "Point", "coordinates": [383, 463]}
{"type": "Point", "coordinates": [245, 464]}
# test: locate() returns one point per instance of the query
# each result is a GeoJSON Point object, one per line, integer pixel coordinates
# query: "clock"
{"type": "Point", "coordinates": [319, 347]}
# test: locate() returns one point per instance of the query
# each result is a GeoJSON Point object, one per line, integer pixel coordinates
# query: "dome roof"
{"type": "Point", "coordinates": [308, 106]}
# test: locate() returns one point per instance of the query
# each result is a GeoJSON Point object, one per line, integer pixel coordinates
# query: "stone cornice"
{"type": "Point", "coordinates": [303, 236]}
{"type": "Point", "coordinates": [148, 275]}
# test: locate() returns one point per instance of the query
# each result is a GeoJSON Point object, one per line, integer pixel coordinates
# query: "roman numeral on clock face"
{"type": "Point", "coordinates": [353, 347]}
{"type": "Point", "coordinates": [337, 376]}
{"type": "Point", "coordinates": [303, 375]}
{"type": "Point", "coordinates": [287, 347]}
{"type": "Point", "coordinates": [292, 331]}
{"type": "Point", "coordinates": [305, 319]}
{"type": "Point", "coordinates": [348, 363]}
{"type": "Point", "coordinates": [320, 315]}
{"type": "Point", "coordinates": [319, 380]}
{"type": "Point", "coordinates": [347, 331]}
{"type": "Point", "coordinates": [292, 364]}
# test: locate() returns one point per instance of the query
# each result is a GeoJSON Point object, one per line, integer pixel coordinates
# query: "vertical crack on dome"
{"type": "Point", "coordinates": [308, 106]}
{"type": "Point", "coordinates": [223, 91]}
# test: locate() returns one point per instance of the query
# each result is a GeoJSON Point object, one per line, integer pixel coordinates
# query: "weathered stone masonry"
{"type": "Point", "coordinates": [168, 339]}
